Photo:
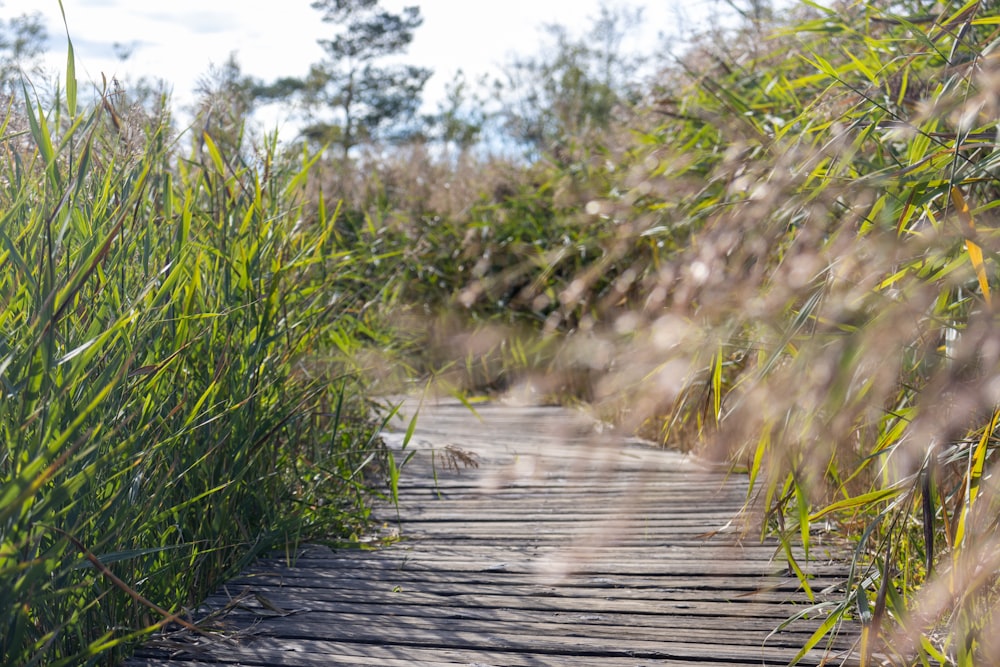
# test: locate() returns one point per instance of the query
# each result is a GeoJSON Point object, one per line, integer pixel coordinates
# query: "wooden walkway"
{"type": "Point", "coordinates": [565, 546]}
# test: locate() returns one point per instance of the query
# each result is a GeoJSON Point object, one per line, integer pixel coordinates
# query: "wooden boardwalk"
{"type": "Point", "coordinates": [565, 546]}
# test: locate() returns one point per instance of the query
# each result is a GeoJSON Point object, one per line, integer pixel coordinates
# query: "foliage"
{"type": "Point", "coordinates": [172, 401]}
{"type": "Point", "coordinates": [572, 89]}
{"type": "Point", "coordinates": [839, 247]}
{"type": "Point", "coordinates": [22, 41]}
{"type": "Point", "coordinates": [372, 100]}
{"type": "Point", "coordinates": [461, 116]}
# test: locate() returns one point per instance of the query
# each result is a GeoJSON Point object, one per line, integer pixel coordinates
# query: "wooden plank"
{"type": "Point", "coordinates": [308, 655]}
{"type": "Point", "coordinates": [605, 584]}
{"type": "Point", "coordinates": [306, 581]}
{"type": "Point", "coordinates": [390, 593]}
{"type": "Point", "coordinates": [314, 622]}
{"type": "Point", "coordinates": [691, 567]}
{"type": "Point", "coordinates": [275, 650]}
{"type": "Point", "coordinates": [274, 603]}
{"type": "Point", "coordinates": [303, 653]}
{"type": "Point", "coordinates": [420, 630]}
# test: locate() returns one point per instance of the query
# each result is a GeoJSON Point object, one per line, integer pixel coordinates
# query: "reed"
{"type": "Point", "coordinates": [172, 405]}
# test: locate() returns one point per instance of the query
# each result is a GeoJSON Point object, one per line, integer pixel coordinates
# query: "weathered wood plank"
{"type": "Point", "coordinates": [558, 629]}
{"type": "Point", "coordinates": [276, 603]}
{"type": "Point", "coordinates": [318, 654]}
{"type": "Point", "coordinates": [392, 594]}
{"type": "Point", "coordinates": [453, 586]}
{"type": "Point", "coordinates": [274, 649]}
{"type": "Point", "coordinates": [691, 567]}
{"type": "Point", "coordinates": [604, 585]}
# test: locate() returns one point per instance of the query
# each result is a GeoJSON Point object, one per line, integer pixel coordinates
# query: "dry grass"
{"type": "Point", "coordinates": [787, 261]}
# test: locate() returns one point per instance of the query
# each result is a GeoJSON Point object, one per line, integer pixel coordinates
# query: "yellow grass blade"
{"type": "Point", "coordinates": [975, 252]}
{"type": "Point", "coordinates": [863, 500]}
{"type": "Point", "coordinates": [975, 477]}
{"type": "Point", "coordinates": [717, 386]}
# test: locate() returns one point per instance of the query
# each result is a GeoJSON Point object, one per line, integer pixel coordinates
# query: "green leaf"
{"type": "Point", "coordinates": [70, 68]}
{"type": "Point", "coordinates": [828, 624]}
{"type": "Point", "coordinates": [854, 502]}
{"type": "Point", "coordinates": [214, 153]}
{"type": "Point", "coordinates": [40, 133]}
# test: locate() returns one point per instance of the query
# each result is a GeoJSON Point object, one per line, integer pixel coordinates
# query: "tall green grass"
{"type": "Point", "coordinates": [170, 401]}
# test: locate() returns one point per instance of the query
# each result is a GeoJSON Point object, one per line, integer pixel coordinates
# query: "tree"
{"type": "Point", "coordinates": [460, 117]}
{"type": "Point", "coordinates": [755, 12]}
{"type": "Point", "coordinates": [22, 40]}
{"type": "Point", "coordinates": [566, 92]}
{"type": "Point", "coordinates": [370, 100]}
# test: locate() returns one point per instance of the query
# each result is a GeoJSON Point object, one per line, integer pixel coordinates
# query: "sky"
{"type": "Point", "coordinates": [177, 40]}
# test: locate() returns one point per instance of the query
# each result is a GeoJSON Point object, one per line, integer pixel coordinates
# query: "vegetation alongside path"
{"type": "Point", "coordinates": [168, 411]}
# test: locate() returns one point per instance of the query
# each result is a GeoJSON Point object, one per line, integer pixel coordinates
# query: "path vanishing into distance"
{"type": "Point", "coordinates": [545, 540]}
